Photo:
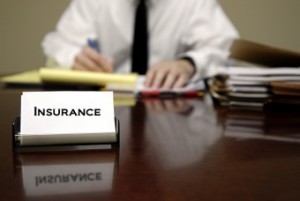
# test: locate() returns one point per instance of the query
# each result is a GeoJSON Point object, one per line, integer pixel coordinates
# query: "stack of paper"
{"type": "Point", "coordinates": [256, 87]}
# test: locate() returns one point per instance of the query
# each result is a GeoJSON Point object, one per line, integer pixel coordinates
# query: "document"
{"type": "Point", "coordinates": [260, 71]}
{"type": "Point", "coordinates": [191, 89]}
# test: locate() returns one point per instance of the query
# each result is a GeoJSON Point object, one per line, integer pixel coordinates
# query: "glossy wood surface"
{"type": "Point", "coordinates": [176, 150]}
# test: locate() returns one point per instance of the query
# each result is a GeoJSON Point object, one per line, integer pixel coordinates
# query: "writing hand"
{"type": "Point", "coordinates": [169, 74]}
{"type": "Point", "coordinates": [90, 60]}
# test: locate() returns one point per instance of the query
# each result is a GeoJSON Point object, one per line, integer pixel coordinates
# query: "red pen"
{"type": "Point", "coordinates": [169, 94]}
{"type": "Point", "coordinates": [150, 93]}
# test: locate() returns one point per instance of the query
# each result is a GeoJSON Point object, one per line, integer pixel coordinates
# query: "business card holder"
{"type": "Point", "coordinates": [63, 142]}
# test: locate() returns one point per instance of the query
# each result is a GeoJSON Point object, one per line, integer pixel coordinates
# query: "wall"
{"type": "Point", "coordinates": [24, 23]}
{"type": "Point", "coordinates": [22, 27]}
{"type": "Point", "coordinates": [272, 22]}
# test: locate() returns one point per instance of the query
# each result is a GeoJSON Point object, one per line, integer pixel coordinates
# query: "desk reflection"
{"type": "Point", "coordinates": [67, 173]}
{"type": "Point", "coordinates": [180, 131]}
{"type": "Point", "coordinates": [258, 124]}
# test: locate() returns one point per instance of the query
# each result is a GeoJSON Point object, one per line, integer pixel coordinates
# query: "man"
{"type": "Point", "coordinates": [184, 38]}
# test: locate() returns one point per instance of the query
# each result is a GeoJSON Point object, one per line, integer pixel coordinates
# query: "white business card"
{"type": "Point", "coordinates": [47, 113]}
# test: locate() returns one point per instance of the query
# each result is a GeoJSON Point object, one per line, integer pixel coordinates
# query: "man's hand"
{"type": "Point", "coordinates": [90, 60]}
{"type": "Point", "coordinates": [169, 74]}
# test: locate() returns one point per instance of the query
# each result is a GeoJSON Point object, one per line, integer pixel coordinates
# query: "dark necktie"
{"type": "Point", "coordinates": [140, 40]}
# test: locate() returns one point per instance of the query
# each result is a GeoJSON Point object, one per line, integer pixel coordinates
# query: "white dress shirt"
{"type": "Point", "coordinates": [198, 29]}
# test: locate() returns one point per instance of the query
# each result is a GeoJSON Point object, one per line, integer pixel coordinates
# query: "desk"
{"type": "Point", "coordinates": [178, 156]}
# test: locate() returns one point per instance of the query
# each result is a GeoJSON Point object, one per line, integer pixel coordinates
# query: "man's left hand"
{"type": "Point", "coordinates": [169, 74]}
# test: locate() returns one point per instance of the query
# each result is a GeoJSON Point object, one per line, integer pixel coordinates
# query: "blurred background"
{"type": "Point", "coordinates": [23, 25]}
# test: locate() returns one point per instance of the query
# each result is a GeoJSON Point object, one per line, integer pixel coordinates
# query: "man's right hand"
{"type": "Point", "coordinates": [90, 60]}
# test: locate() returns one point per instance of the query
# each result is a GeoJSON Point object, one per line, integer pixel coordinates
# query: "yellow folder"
{"type": "Point", "coordinates": [28, 77]}
{"type": "Point", "coordinates": [66, 76]}
{"type": "Point", "coordinates": [85, 77]}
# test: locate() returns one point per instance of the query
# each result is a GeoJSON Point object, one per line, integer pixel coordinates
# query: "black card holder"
{"type": "Point", "coordinates": [19, 147]}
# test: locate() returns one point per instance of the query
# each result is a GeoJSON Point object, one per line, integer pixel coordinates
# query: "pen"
{"type": "Point", "coordinates": [144, 94]}
{"type": "Point", "coordinates": [191, 93]}
{"type": "Point", "coordinates": [93, 44]}
{"type": "Point", "coordinates": [169, 94]}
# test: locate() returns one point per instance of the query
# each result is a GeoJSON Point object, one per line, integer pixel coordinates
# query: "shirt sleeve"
{"type": "Point", "coordinates": [208, 37]}
{"type": "Point", "coordinates": [72, 31]}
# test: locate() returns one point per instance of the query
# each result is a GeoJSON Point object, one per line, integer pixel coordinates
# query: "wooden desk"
{"type": "Point", "coordinates": [185, 156]}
